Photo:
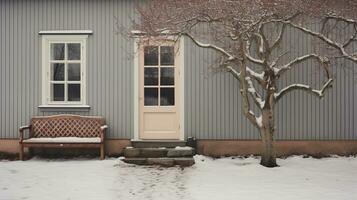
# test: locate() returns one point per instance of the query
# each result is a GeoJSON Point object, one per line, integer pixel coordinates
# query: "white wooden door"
{"type": "Point", "coordinates": [159, 91]}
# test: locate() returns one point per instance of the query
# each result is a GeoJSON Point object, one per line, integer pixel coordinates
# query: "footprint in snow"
{"type": "Point", "coordinates": [13, 171]}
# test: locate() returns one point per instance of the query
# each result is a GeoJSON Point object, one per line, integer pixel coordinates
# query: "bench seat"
{"type": "Point", "coordinates": [63, 140]}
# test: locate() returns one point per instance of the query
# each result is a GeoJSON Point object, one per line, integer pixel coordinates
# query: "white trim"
{"type": "Point", "coordinates": [182, 89]}
{"type": "Point", "coordinates": [66, 32]}
{"type": "Point", "coordinates": [64, 106]}
{"type": "Point", "coordinates": [46, 40]}
{"type": "Point", "coordinates": [136, 89]}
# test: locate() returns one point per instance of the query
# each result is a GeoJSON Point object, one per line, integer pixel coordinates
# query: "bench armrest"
{"type": "Point", "coordinates": [21, 130]}
{"type": "Point", "coordinates": [102, 135]}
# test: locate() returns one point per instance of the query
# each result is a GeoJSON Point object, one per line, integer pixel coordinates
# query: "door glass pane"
{"type": "Point", "coordinates": [167, 55]}
{"type": "Point", "coordinates": [151, 76]}
{"type": "Point", "coordinates": [74, 72]}
{"type": "Point", "coordinates": [167, 76]}
{"type": "Point", "coordinates": [74, 92]}
{"type": "Point", "coordinates": [151, 96]}
{"type": "Point", "coordinates": [57, 51]}
{"type": "Point", "coordinates": [57, 71]}
{"type": "Point", "coordinates": [151, 55]}
{"type": "Point", "coordinates": [57, 92]}
{"type": "Point", "coordinates": [74, 51]}
{"type": "Point", "coordinates": [167, 96]}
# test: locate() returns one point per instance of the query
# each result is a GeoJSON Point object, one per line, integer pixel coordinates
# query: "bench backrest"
{"type": "Point", "coordinates": [66, 126]}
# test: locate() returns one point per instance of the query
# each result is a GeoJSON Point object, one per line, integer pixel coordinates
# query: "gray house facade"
{"type": "Point", "coordinates": [68, 57]}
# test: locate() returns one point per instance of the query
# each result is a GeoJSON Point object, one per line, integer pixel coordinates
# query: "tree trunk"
{"type": "Point", "coordinates": [268, 156]}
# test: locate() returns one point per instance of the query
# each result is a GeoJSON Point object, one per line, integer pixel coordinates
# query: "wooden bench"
{"type": "Point", "coordinates": [64, 131]}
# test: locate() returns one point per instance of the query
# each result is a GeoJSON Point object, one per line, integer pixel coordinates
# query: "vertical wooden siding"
{"type": "Point", "coordinates": [109, 64]}
{"type": "Point", "coordinates": [212, 100]}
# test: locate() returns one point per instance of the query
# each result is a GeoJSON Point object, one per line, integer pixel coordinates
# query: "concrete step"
{"type": "Point", "coordinates": [158, 143]}
{"type": "Point", "coordinates": [184, 162]}
{"type": "Point", "coordinates": [145, 152]}
{"type": "Point", "coordinates": [132, 152]}
{"type": "Point", "coordinates": [165, 162]}
{"type": "Point", "coordinates": [166, 157]}
{"type": "Point", "coordinates": [136, 161]}
{"type": "Point", "coordinates": [181, 152]}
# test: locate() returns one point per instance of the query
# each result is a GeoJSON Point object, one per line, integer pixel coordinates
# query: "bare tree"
{"type": "Point", "coordinates": [240, 31]}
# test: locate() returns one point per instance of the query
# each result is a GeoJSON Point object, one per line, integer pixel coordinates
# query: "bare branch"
{"type": "Point", "coordinates": [248, 113]}
{"type": "Point", "coordinates": [319, 93]}
{"type": "Point", "coordinates": [279, 38]}
{"type": "Point", "coordinates": [259, 77]}
{"type": "Point", "coordinates": [280, 70]}
{"type": "Point", "coordinates": [276, 60]}
{"type": "Point", "coordinates": [340, 18]}
{"type": "Point", "coordinates": [249, 57]}
{"type": "Point", "coordinates": [210, 46]}
{"type": "Point", "coordinates": [244, 85]}
{"type": "Point", "coordinates": [261, 42]}
{"type": "Point", "coordinates": [234, 72]}
{"type": "Point", "coordinates": [352, 38]}
{"type": "Point", "coordinates": [254, 94]}
{"type": "Point", "coordinates": [322, 37]}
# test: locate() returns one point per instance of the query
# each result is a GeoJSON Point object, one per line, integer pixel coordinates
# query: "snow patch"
{"type": "Point", "coordinates": [183, 148]}
{"type": "Point", "coordinates": [259, 121]}
{"type": "Point", "coordinates": [252, 90]}
{"type": "Point", "coordinates": [262, 103]}
{"type": "Point", "coordinates": [256, 74]}
{"type": "Point", "coordinates": [276, 70]}
{"type": "Point", "coordinates": [137, 32]}
{"type": "Point", "coordinates": [229, 178]}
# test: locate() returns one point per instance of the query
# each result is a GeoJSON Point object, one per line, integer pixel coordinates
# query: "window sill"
{"type": "Point", "coordinates": [64, 108]}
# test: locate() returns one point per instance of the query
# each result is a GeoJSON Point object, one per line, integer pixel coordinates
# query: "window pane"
{"type": "Point", "coordinates": [74, 51]}
{"type": "Point", "coordinates": [167, 97]}
{"type": "Point", "coordinates": [151, 76]}
{"type": "Point", "coordinates": [151, 96]}
{"type": "Point", "coordinates": [167, 76]}
{"type": "Point", "coordinates": [57, 92]}
{"type": "Point", "coordinates": [74, 92]}
{"type": "Point", "coordinates": [151, 55]}
{"type": "Point", "coordinates": [74, 72]}
{"type": "Point", "coordinates": [57, 71]}
{"type": "Point", "coordinates": [167, 55]}
{"type": "Point", "coordinates": [57, 51]}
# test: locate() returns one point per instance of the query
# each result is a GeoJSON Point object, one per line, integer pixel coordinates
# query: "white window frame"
{"type": "Point", "coordinates": [46, 93]}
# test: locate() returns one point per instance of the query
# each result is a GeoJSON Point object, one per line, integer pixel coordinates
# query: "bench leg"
{"type": "Point", "coordinates": [21, 153]}
{"type": "Point", "coordinates": [102, 153]}
{"type": "Point", "coordinates": [30, 152]}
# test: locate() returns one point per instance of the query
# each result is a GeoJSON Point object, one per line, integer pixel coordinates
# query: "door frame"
{"type": "Point", "coordinates": [136, 84]}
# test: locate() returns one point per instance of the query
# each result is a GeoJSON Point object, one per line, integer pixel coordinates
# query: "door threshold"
{"type": "Point", "coordinates": [157, 143]}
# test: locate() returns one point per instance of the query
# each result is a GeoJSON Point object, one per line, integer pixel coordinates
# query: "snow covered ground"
{"type": "Point", "coordinates": [218, 179]}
